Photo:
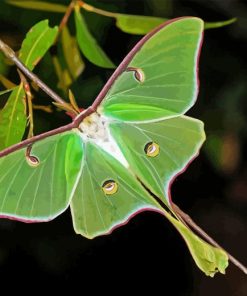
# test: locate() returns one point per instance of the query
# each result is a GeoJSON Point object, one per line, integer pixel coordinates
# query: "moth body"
{"type": "Point", "coordinates": [95, 128]}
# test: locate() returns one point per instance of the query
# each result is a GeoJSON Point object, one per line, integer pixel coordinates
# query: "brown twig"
{"type": "Point", "coordinates": [189, 222]}
{"type": "Point", "coordinates": [10, 54]}
{"type": "Point", "coordinates": [65, 18]}
{"type": "Point", "coordinates": [74, 124]}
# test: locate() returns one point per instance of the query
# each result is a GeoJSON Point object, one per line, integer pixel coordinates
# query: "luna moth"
{"type": "Point", "coordinates": [119, 156]}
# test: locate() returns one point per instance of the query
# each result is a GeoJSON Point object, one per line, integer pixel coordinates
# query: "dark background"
{"type": "Point", "coordinates": [147, 254]}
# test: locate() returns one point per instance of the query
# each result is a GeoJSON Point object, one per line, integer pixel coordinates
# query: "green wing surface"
{"type": "Point", "coordinates": [159, 76]}
{"type": "Point", "coordinates": [95, 213]}
{"type": "Point", "coordinates": [40, 193]}
{"type": "Point", "coordinates": [208, 258]}
{"type": "Point", "coordinates": [179, 141]}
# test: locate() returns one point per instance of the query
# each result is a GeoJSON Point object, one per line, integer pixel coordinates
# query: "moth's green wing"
{"type": "Point", "coordinates": [208, 258]}
{"type": "Point", "coordinates": [40, 193]}
{"type": "Point", "coordinates": [167, 63]}
{"type": "Point", "coordinates": [179, 141]}
{"type": "Point", "coordinates": [95, 213]}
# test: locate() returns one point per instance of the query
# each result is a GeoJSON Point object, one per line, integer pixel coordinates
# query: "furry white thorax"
{"type": "Point", "coordinates": [95, 128]}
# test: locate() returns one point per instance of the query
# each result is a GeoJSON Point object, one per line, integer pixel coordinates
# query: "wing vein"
{"type": "Point", "coordinates": [24, 187]}
{"type": "Point", "coordinates": [144, 86]}
{"type": "Point", "coordinates": [53, 174]}
{"type": "Point", "coordinates": [95, 198]}
{"type": "Point", "coordinates": [36, 191]}
{"type": "Point", "coordinates": [11, 182]}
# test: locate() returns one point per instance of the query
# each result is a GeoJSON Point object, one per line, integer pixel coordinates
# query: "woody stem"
{"type": "Point", "coordinates": [10, 54]}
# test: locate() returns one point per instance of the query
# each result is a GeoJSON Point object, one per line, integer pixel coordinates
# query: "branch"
{"type": "Point", "coordinates": [65, 18]}
{"type": "Point", "coordinates": [188, 220]}
{"type": "Point", "coordinates": [74, 124]}
{"type": "Point", "coordinates": [10, 54]}
{"type": "Point", "coordinates": [34, 139]}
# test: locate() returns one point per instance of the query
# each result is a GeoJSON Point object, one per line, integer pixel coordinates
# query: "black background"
{"type": "Point", "coordinates": [147, 254]}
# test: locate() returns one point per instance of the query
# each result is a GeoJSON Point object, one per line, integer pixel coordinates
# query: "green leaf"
{"type": "Point", "coordinates": [39, 5]}
{"type": "Point", "coordinates": [88, 45]}
{"type": "Point", "coordinates": [13, 118]}
{"type": "Point", "coordinates": [72, 54]}
{"type": "Point", "coordinates": [213, 25]}
{"type": "Point", "coordinates": [38, 40]}
{"type": "Point", "coordinates": [137, 24]}
{"type": "Point", "coordinates": [2, 92]}
{"type": "Point", "coordinates": [141, 25]}
{"type": "Point", "coordinates": [6, 82]}
{"type": "Point", "coordinates": [63, 75]}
